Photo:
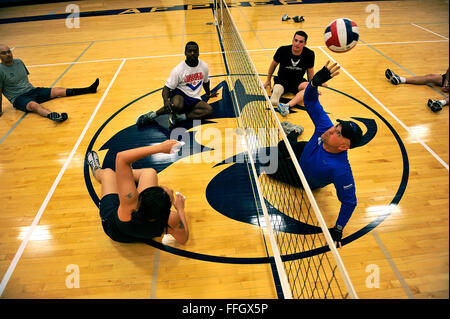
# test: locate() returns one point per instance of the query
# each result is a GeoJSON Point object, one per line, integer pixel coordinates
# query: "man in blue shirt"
{"type": "Point", "coordinates": [323, 158]}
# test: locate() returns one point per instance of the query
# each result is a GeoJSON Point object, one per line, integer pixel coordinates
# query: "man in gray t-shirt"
{"type": "Point", "coordinates": [16, 87]}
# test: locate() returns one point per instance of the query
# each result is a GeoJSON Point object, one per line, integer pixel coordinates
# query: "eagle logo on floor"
{"type": "Point", "coordinates": [244, 207]}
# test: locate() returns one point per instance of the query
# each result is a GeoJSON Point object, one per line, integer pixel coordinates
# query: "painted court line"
{"type": "Point", "coordinates": [220, 52]}
{"type": "Point", "coordinates": [154, 274]}
{"type": "Point", "coordinates": [393, 266]}
{"type": "Point", "coordinates": [428, 30]}
{"type": "Point", "coordinates": [38, 216]}
{"type": "Point", "coordinates": [391, 114]}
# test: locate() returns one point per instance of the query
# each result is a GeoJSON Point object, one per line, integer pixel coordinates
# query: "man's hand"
{"type": "Point", "coordinates": [268, 84]}
{"type": "Point", "coordinates": [179, 202]}
{"type": "Point", "coordinates": [336, 234]}
{"type": "Point", "coordinates": [168, 106]}
{"type": "Point", "coordinates": [213, 94]}
{"type": "Point", "coordinates": [325, 74]}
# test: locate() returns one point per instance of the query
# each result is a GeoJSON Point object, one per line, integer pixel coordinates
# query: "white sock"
{"type": "Point", "coordinates": [277, 92]}
{"type": "Point", "coordinates": [402, 79]}
{"type": "Point", "coordinates": [443, 102]}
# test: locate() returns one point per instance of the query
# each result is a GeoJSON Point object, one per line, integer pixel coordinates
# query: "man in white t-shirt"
{"type": "Point", "coordinates": [182, 91]}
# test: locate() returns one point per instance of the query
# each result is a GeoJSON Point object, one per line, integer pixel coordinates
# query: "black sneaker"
{"type": "Point", "coordinates": [93, 161]}
{"type": "Point", "coordinates": [57, 117]}
{"type": "Point", "coordinates": [298, 19]}
{"type": "Point", "coordinates": [145, 119]}
{"type": "Point", "coordinates": [391, 76]}
{"type": "Point", "coordinates": [434, 105]}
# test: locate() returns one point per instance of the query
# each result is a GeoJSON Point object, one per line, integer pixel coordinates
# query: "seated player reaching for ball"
{"type": "Point", "coordinates": [323, 159]}
{"type": "Point", "coordinates": [131, 213]}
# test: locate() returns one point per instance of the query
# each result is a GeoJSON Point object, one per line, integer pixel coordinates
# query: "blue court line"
{"type": "Point", "coordinates": [400, 66]}
{"type": "Point", "coordinates": [56, 81]}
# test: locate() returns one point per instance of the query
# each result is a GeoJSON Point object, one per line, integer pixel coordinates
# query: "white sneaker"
{"type": "Point", "coordinates": [283, 109]}
{"type": "Point", "coordinates": [93, 161]}
{"type": "Point", "coordinates": [289, 127]}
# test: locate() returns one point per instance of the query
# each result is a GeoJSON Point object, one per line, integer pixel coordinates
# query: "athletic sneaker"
{"type": "Point", "coordinates": [434, 105]}
{"type": "Point", "coordinates": [145, 119]}
{"type": "Point", "coordinates": [93, 161]}
{"type": "Point", "coordinates": [289, 127]}
{"type": "Point", "coordinates": [283, 109]}
{"type": "Point", "coordinates": [391, 76]}
{"type": "Point", "coordinates": [57, 117]}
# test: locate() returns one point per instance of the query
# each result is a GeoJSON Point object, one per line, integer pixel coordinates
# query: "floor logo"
{"type": "Point", "coordinates": [243, 208]}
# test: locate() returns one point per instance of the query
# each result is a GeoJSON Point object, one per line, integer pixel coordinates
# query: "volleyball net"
{"type": "Point", "coordinates": [307, 262]}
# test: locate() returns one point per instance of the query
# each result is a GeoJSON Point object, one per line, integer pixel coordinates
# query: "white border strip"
{"type": "Point", "coordinates": [275, 251]}
{"type": "Point", "coordinates": [391, 114]}
{"type": "Point", "coordinates": [38, 216]}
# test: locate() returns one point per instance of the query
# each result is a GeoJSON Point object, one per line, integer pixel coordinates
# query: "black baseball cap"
{"type": "Point", "coordinates": [352, 131]}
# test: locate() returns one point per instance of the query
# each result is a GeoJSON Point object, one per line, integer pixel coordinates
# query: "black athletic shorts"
{"type": "Point", "coordinates": [38, 95]}
{"type": "Point", "coordinates": [288, 85]}
{"type": "Point", "coordinates": [109, 205]}
{"type": "Point", "coordinates": [286, 171]}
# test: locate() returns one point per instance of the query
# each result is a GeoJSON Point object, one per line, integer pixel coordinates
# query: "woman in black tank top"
{"type": "Point", "coordinates": [133, 213]}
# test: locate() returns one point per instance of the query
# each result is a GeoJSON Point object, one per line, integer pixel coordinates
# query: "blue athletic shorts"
{"type": "Point", "coordinates": [38, 95]}
{"type": "Point", "coordinates": [189, 102]}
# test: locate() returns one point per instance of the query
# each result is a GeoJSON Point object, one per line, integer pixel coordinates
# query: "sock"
{"type": "Point", "coordinates": [277, 92]}
{"type": "Point", "coordinates": [152, 115]}
{"type": "Point", "coordinates": [86, 90]}
{"type": "Point", "coordinates": [402, 79]}
{"type": "Point", "coordinates": [443, 102]}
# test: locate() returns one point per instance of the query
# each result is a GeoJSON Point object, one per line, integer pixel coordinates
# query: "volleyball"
{"type": "Point", "coordinates": [341, 35]}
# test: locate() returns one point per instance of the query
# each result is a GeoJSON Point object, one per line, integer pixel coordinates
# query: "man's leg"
{"type": "Point", "coordinates": [277, 92]}
{"type": "Point", "coordinates": [106, 177]}
{"type": "Point", "coordinates": [201, 110]}
{"type": "Point", "coordinates": [44, 112]}
{"type": "Point", "coordinates": [298, 98]}
{"type": "Point", "coordinates": [59, 92]}
{"type": "Point", "coordinates": [418, 80]}
{"type": "Point", "coordinates": [425, 79]}
{"type": "Point", "coordinates": [181, 111]}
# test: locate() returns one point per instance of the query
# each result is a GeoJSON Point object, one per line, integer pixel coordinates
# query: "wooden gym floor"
{"type": "Point", "coordinates": [52, 244]}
